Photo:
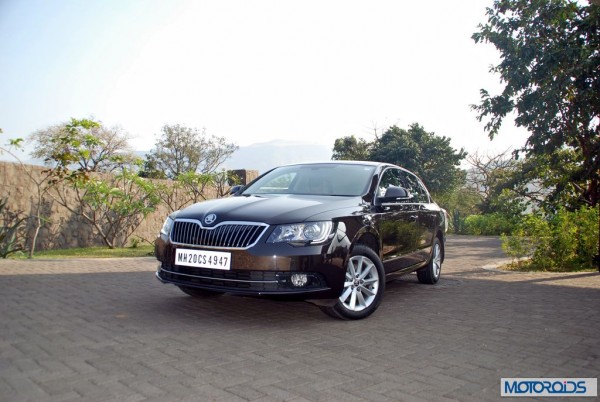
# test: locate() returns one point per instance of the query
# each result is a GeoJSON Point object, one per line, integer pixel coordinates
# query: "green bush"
{"type": "Point", "coordinates": [457, 222]}
{"type": "Point", "coordinates": [565, 241]}
{"type": "Point", "coordinates": [489, 225]}
{"type": "Point", "coordinates": [581, 228]}
{"type": "Point", "coordinates": [528, 239]}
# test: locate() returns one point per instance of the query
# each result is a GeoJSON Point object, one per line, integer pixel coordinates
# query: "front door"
{"type": "Point", "coordinates": [398, 224]}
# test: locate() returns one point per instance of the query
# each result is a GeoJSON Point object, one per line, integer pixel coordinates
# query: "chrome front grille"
{"type": "Point", "coordinates": [238, 235]}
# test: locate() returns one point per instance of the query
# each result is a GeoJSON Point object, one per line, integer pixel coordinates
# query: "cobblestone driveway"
{"type": "Point", "coordinates": [99, 330]}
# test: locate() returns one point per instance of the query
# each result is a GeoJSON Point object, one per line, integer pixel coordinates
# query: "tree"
{"type": "Point", "coordinates": [544, 182]}
{"type": "Point", "coordinates": [115, 205]}
{"type": "Point", "coordinates": [549, 69]}
{"type": "Point", "coordinates": [429, 156]}
{"type": "Point", "coordinates": [190, 188]}
{"type": "Point", "coordinates": [83, 144]}
{"type": "Point", "coordinates": [97, 184]}
{"type": "Point", "coordinates": [493, 177]}
{"type": "Point", "coordinates": [180, 150]}
{"type": "Point", "coordinates": [459, 203]}
{"type": "Point", "coordinates": [71, 151]}
{"type": "Point", "coordinates": [351, 148]}
{"type": "Point", "coordinates": [12, 228]}
{"type": "Point", "coordinates": [41, 184]}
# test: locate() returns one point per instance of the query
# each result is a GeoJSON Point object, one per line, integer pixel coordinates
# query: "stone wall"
{"type": "Point", "coordinates": [63, 229]}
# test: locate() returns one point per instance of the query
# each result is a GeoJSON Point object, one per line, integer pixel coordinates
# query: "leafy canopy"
{"type": "Point", "coordinates": [427, 155]}
{"type": "Point", "coordinates": [351, 148]}
{"type": "Point", "coordinates": [181, 149]}
{"type": "Point", "coordinates": [549, 68]}
{"type": "Point", "coordinates": [84, 144]}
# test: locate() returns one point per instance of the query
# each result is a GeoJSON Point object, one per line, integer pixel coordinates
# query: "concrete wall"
{"type": "Point", "coordinates": [63, 229]}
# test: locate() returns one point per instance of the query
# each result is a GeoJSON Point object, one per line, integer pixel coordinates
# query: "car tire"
{"type": "Point", "coordinates": [200, 293]}
{"type": "Point", "coordinates": [363, 287]}
{"type": "Point", "coordinates": [430, 275]}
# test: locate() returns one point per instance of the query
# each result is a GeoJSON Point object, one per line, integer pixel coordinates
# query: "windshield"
{"type": "Point", "coordinates": [315, 179]}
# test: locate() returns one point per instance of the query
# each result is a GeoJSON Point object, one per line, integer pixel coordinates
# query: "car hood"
{"type": "Point", "coordinates": [270, 209]}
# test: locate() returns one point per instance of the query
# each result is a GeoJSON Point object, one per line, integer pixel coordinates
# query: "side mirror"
{"type": "Point", "coordinates": [395, 194]}
{"type": "Point", "coordinates": [236, 189]}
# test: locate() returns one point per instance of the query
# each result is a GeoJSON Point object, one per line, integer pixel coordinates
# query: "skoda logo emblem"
{"type": "Point", "coordinates": [209, 219]}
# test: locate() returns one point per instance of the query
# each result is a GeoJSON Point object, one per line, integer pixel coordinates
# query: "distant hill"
{"type": "Point", "coordinates": [266, 155]}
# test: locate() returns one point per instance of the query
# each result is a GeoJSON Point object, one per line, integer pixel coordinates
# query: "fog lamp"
{"type": "Point", "coordinates": [299, 280]}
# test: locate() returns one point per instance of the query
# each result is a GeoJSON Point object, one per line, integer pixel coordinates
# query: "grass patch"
{"type": "Point", "coordinates": [529, 266]}
{"type": "Point", "coordinates": [145, 250]}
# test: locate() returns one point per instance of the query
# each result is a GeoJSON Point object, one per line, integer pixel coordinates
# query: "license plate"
{"type": "Point", "coordinates": [203, 259]}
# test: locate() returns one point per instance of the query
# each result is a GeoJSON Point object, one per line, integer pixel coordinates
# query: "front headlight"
{"type": "Point", "coordinates": [304, 233]}
{"type": "Point", "coordinates": [166, 227]}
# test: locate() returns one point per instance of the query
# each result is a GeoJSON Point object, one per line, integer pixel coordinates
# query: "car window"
{"type": "Point", "coordinates": [389, 178]}
{"type": "Point", "coordinates": [406, 180]}
{"type": "Point", "coordinates": [315, 179]}
{"type": "Point", "coordinates": [414, 185]}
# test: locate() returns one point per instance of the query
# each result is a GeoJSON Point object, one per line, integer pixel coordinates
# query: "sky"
{"type": "Point", "coordinates": [250, 71]}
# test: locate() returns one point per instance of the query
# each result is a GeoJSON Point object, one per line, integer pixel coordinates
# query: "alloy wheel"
{"type": "Point", "coordinates": [437, 260]}
{"type": "Point", "coordinates": [361, 284]}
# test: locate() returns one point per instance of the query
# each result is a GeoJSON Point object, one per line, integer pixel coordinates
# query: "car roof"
{"type": "Point", "coordinates": [340, 162]}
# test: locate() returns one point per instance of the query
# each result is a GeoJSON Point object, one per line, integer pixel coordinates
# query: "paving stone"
{"type": "Point", "coordinates": [102, 330]}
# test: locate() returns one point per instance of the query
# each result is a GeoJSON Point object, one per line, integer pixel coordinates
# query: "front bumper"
{"type": "Point", "coordinates": [258, 283]}
{"type": "Point", "coordinates": [263, 272]}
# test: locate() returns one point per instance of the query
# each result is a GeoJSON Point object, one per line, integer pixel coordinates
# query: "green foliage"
{"type": "Point", "coordinates": [223, 181]}
{"type": "Point", "coordinates": [351, 148]}
{"type": "Point", "coordinates": [81, 146]}
{"type": "Point", "coordinates": [150, 169]}
{"type": "Point", "coordinates": [549, 68]}
{"type": "Point", "coordinates": [530, 235]}
{"type": "Point", "coordinates": [457, 222]}
{"type": "Point", "coordinates": [115, 202]}
{"type": "Point", "coordinates": [196, 183]}
{"type": "Point", "coordinates": [115, 206]}
{"type": "Point", "coordinates": [505, 203]}
{"type": "Point", "coordinates": [190, 187]}
{"type": "Point", "coordinates": [566, 240]}
{"type": "Point", "coordinates": [12, 142]}
{"type": "Point", "coordinates": [427, 155]}
{"type": "Point", "coordinates": [75, 149]}
{"type": "Point", "coordinates": [493, 178]}
{"type": "Point", "coordinates": [517, 247]}
{"type": "Point", "coordinates": [11, 230]}
{"type": "Point", "coordinates": [494, 224]}
{"type": "Point", "coordinates": [15, 142]}
{"type": "Point", "coordinates": [181, 149]}
{"type": "Point", "coordinates": [463, 199]}
{"type": "Point", "coordinates": [459, 204]}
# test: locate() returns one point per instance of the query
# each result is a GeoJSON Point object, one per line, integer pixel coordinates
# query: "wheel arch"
{"type": "Point", "coordinates": [368, 239]}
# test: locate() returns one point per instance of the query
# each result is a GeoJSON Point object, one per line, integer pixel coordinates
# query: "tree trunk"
{"type": "Point", "coordinates": [36, 231]}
